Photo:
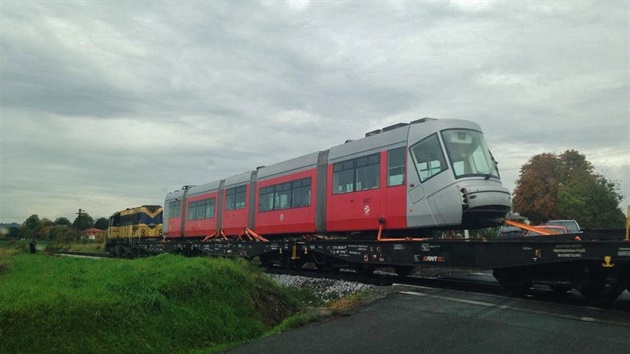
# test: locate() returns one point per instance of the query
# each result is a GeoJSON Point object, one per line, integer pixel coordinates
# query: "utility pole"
{"type": "Point", "coordinates": [79, 223]}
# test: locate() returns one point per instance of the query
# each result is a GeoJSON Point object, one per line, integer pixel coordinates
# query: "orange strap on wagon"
{"type": "Point", "coordinates": [380, 237]}
{"type": "Point", "coordinates": [527, 227]}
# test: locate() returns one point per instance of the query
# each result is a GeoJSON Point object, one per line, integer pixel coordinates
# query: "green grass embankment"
{"type": "Point", "coordinates": [162, 304]}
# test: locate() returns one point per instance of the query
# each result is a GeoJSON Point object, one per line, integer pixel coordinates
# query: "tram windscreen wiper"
{"type": "Point", "coordinates": [494, 167]}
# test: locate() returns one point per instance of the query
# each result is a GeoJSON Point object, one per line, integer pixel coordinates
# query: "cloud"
{"type": "Point", "coordinates": [107, 105]}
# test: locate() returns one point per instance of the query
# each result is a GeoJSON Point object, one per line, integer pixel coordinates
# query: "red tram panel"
{"type": "Point", "coordinates": [234, 220]}
{"type": "Point", "coordinates": [290, 219]}
{"type": "Point", "coordinates": [201, 225]}
{"type": "Point", "coordinates": [354, 209]}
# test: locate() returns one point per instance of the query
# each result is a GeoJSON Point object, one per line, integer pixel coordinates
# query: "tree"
{"type": "Point", "coordinates": [27, 230]}
{"type": "Point", "coordinates": [102, 223]}
{"type": "Point", "coordinates": [63, 221]}
{"type": "Point", "coordinates": [565, 187]}
{"type": "Point", "coordinates": [536, 190]}
{"type": "Point", "coordinates": [34, 227]}
{"type": "Point", "coordinates": [42, 230]}
{"type": "Point", "coordinates": [14, 232]}
{"type": "Point", "coordinates": [62, 234]}
{"type": "Point", "coordinates": [83, 221]}
{"type": "Point", "coordinates": [598, 212]}
{"type": "Point", "coordinates": [31, 222]}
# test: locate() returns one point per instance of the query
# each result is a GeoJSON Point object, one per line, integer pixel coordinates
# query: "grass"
{"type": "Point", "coordinates": [83, 246]}
{"type": "Point", "coordinates": [349, 302]}
{"type": "Point", "coordinates": [5, 259]}
{"type": "Point", "coordinates": [159, 304]}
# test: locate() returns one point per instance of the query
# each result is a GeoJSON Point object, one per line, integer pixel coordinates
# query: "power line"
{"type": "Point", "coordinates": [626, 151]}
{"type": "Point", "coordinates": [588, 156]}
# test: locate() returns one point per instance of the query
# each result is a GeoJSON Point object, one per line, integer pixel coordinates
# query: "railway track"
{"type": "Point", "coordinates": [84, 254]}
{"type": "Point", "coordinates": [539, 293]}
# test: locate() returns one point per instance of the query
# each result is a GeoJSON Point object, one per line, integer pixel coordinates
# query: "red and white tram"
{"type": "Point", "coordinates": [425, 175]}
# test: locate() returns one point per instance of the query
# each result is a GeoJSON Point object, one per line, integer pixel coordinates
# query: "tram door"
{"type": "Point", "coordinates": [355, 199]}
{"type": "Point", "coordinates": [428, 177]}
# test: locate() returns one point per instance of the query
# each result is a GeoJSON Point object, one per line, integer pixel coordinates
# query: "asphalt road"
{"type": "Point", "coordinates": [428, 320]}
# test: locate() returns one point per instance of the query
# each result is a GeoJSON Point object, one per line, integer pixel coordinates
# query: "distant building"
{"type": "Point", "coordinates": [91, 234]}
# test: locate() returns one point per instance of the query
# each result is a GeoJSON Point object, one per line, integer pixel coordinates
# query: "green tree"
{"type": "Point", "coordinates": [42, 230]}
{"type": "Point", "coordinates": [602, 195]}
{"type": "Point", "coordinates": [102, 223]}
{"type": "Point", "coordinates": [63, 221]}
{"type": "Point", "coordinates": [62, 234]}
{"type": "Point", "coordinates": [83, 221]}
{"type": "Point", "coordinates": [565, 187]}
{"type": "Point", "coordinates": [34, 227]}
{"type": "Point", "coordinates": [31, 222]}
{"type": "Point", "coordinates": [14, 232]}
{"type": "Point", "coordinates": [27, 230]}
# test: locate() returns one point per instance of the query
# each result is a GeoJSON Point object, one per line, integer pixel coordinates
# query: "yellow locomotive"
{"type": "Point", "coordinates": [142, 221]}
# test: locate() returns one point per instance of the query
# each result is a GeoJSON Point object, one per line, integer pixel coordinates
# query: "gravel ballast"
{"type": "Point", "coordinates": [332, 289]}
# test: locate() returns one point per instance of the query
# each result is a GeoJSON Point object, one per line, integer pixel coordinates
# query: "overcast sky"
{"type": "Point", "coordinates": [112, 104]}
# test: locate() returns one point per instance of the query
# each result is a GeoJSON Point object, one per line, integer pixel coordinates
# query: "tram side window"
{"type": "Point", "coordinates": [343, 177]}
{"type": "Point", "coordinates": [174, 208]}
{"type": "Point", "coordinates": [357, 174]}
{"type": "Point", "coordinates": [301, 193]}
{"type": "Point", "coordinates": [235, 198]}
{"type": "Point", "coordinates": [282, 198]}
{"type": "Point", "coordinates": [265, 199]}
{"type": "Point", "coordinates": [285, 195]}
{"type": "Point", "coordinates": [428, 157]}
{"type": "Point", "coordinates": [202, 209]}
{"type": "Point", "coordinates": [396, 167]}
{"type": "Point", "coordinates": [368, 171]}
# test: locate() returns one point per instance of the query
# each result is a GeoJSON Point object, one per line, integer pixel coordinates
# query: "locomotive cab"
{"type": "Point", "coordinates": [453, 179]}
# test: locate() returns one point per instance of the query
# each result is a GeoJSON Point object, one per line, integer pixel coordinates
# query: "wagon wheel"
{"type": "Point", "coordinates": [364, 269]}
{"type": "Point", "coordinates": [323, 262]}
{"type": "Point", "coordinates": [560, 289]}
{"type": "Point", "coordinates": [602, 285]}
{"type": "Point", "coordinates": [295, 263]}
{"type": "Point", "coordinates": [515, 281]}
{"type": "Point", "coordinates": [602, 294]}
{"type": "Point", "coordinates": [403, 271]}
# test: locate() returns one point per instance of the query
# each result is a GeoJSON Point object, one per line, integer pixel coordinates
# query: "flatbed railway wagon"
{"type": "Point", "coordinates": [597, 265]}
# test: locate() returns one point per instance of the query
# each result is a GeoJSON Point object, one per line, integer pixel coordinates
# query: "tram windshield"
{"type": "Point", "coordinates": [469, 154]}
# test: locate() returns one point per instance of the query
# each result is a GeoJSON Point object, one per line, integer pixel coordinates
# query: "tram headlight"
{"type": "Point", "coordinates": [464, 194]}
